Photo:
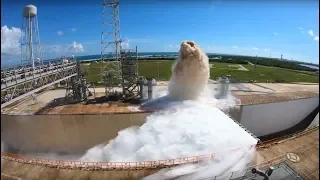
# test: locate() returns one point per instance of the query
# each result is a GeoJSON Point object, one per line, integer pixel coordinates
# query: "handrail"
{"type": "Point", "coordinates": [122, 165]}
{"type": "Point", "coordinates": [126, 165]}
{"type": "Point", "coordinates": [278, 139]}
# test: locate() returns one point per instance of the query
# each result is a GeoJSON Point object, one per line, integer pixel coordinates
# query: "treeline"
{"type": "Point", "coordinates": [156, 58]}
{"type": "Point", "coordinates": [279, 63]}
{"type": "Point", "coordinates": [261, 61]}
{"type": "Point", "coordinates": [244, 60]}
{"type": "Point", "coordinates": [228, 60]}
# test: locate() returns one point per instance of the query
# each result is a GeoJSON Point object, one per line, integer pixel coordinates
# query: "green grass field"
{"type": "Point", "coordinates": [262, 73]}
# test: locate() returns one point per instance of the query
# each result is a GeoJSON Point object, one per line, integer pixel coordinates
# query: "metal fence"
{"type": "Point", "coordinates": [136, 165]}
{"type": "Point", "coordinates": [113, 165]}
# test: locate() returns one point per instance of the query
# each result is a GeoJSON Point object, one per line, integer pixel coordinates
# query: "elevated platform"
{"type": "Point", "coordinates": [17, 84]}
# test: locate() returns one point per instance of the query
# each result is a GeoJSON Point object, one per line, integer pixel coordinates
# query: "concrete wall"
{"type": "Point", "coordinates": [63, 133]}
{"type": "Point", "coordinates": [263, 119]}
{"type": "Point", "coordinates": [77, 133]}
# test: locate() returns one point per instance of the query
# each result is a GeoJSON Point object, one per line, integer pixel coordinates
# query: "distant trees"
{"type": "Point", "coordinates": [229, 60]}
{"type": "Point", "coordinates": [279, 63]}
{"type": "Point", "coordinates": [244, 60]}
{"type": "Point", "coordinates": [156, 58]}
{"type": "Point", "coordinates": [261, 61]}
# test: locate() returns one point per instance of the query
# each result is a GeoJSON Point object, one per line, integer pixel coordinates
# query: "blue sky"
{"type": "Point", "coordinates": [260, 28]}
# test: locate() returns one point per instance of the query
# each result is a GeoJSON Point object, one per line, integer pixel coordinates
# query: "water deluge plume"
{"type": "Point", "coordinates": [190, 125]}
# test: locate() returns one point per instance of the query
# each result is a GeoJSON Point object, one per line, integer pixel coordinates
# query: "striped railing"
{"type": "Point", "coordinates": [138, 165]}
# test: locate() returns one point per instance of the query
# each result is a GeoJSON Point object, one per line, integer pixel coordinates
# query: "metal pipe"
{"type": "Point", "coordinates": [30, 42]}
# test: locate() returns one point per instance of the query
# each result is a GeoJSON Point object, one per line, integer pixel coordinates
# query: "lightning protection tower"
{"type": "Point", "coordinates": [30, 41]}
{"type": "Point", "coordinates": [110, 46]}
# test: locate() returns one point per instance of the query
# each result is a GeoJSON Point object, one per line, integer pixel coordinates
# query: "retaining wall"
{"type": "Point", "coordinates": [77, 133]}
{"type": "Point", "coordinates": [264, 119]}
{"type": "Point", "coordinates": [63, 133]}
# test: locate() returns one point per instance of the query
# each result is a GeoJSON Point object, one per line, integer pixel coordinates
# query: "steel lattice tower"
{"type": "Point", "coordinates": [110, 45]}
{"type": "Point", "coordinates": [30, 41]}
{"type": "Point", "coordinates": [129, 67]}
{"type": "Point", "coordinates": [121, 64]}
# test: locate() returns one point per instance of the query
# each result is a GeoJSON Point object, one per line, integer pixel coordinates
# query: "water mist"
{"type": "Point", "coordinates": [189, 122]}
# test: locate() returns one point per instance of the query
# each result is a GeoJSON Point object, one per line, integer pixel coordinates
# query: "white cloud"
{"type": "Point", "coordinates": [266, 50]}
{"type": "Point", "coordinates": [301, 29]}
{"type": "Point", "coordinates": [172, 46]}
{"type": "Point", "coordinates": [316, 38]}
{"type": "Point", "coordinates": [235, 47]}
{"type": "Point", "coordinates": [10, 40]}
{"type": "Point", "coordinates": [60, 33]}
{"type": "Point", "coordinates": [125, 44]}
{"type": "Point", "coordinates": [146, 40]}
{"type": "Point", "coordinates": [73, 29]}
{"type": "Point", "coordinates": [64, 49]}
{"type": "Point", "coordinates": [276, 34]}
{"type": "Point", "coordinates": [310, 32]}
{"type": "Point", "coordinates": [254, 48]}
{"type": "Point", "coordinates": [76, 47]}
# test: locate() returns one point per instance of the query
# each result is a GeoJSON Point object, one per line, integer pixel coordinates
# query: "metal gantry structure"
{"type": "Point", "coordinates": [32, 75]}
{"type": "Point", "coordinates": [129, 68]}
{"type": "Point", "coordinates": [77, 88]}
{"type": "Point", "coordinates": [120, 69]}
{"type": "Point", "coordinates": [17, 83]}
{"type": "Point", "coordinates": [110, 46]}
{"type": "Point", "coordinates": [110, 32]}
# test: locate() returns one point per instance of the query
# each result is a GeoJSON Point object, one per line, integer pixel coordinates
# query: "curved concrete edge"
{"type": "Point", "coordinates": [30, 170]}
{"type": "Point", "coordinates": [77, 133]}
{"type": "Point", "coordinates": [72, 133]}
{"type": "Point", "coordinates": [114, 165]}
{"type": "Point", "coordinates": [300, 126]}
{"type": "Point", "coordinates": [266, 119]}
{"type": "Point", "coordinates": [64, 164]}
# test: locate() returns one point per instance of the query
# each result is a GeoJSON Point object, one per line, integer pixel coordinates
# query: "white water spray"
{"type": "Point", "coordinates": [190, 73]}
{"type": "Point", "coordinates": [190, 123]}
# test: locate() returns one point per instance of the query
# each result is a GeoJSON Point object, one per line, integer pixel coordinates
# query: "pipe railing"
{"type": "Point", "coordinates": [91, 166]}
{"type": "Point", "coordinates": [133, 165]}
{"type": "Point", "coordinates": [113, 165]}
{"type": "Point", "coordinates": [270, 142]}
